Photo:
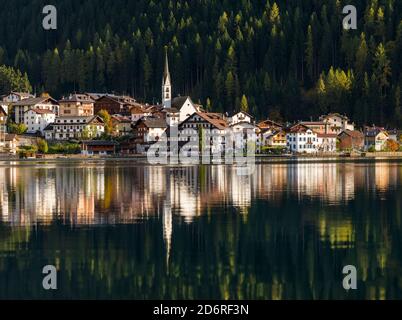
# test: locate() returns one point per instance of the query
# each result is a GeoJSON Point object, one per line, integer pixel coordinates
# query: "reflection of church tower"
{"type": "Point", "coordinates": [167, 228]}
{"type": "Point", "coordinates": [166, 85]}
{"type": "Point", "coordinates": [167, 222]}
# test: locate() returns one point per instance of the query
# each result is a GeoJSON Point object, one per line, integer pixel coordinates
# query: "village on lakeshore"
{"type": "Point", "coordinates": [108, 124]}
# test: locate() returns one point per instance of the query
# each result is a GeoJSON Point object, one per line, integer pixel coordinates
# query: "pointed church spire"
{"type": "Point", "coordinates": [166, 73]}
{"type": "Point", "coordinates": [166, 84]}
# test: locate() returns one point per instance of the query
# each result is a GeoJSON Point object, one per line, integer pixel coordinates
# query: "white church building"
{"type": "Point", "coordinates": [182, 106]}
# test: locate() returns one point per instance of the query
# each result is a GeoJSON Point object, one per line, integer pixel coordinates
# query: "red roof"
{"type": "Point", "coordinates": [327, 135]}
{"type": "Point", "coordinates": [353, 134]}
{"type": "Point", "coordinates": [299, 128]}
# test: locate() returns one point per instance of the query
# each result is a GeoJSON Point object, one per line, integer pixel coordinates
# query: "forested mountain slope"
{"type": "Point", "coordinates": [291, 59]}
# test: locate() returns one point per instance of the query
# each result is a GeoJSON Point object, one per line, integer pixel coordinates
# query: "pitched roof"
{"type": "Point", "coordinates": [312, 123]}
{"type": "Point", "coordinates": [137, 110]}
{"type": "Point", "coordinates": [246, 113]}
{"type": "Point", "coordinates": [374, 131]}
{"type": "Point", "coordinates": [242, 122]}
{"type": "Point", "coordinates": [95, 96]}
{"type": "Point", "coordinates": [78, 98]}
{"type": "Point", "coordinates": [178, 102]}
{"type": "Point", "coordinates": [274, 133]}
{"type": "Point", "coordinates": [99, 143]}
{"type": "Point", "coordinates": [86, 119]}
{"type": "Point", "coordinates": [41, 111]}
{"type": "Point", "coordinates": [152, 122]}
{"type": "Point", "coordinates": [327, 135]}
{"type": "Point", "coordinates": [49, 127]}
{"type": "Point", "coordinates": [299, 128]}
{"type": "Point", "coordinates": [95, 119]}
{"type": "Point", "coordinates": [394, 131]}
{"type": "Point", "coordinates": [353, 134]}
{"type": "Point", "coordinates": [2, 111]}
{"type": "Point", "coordinates": [334, 114]}
{"type": "Point", "coordinates": [122, 100]}
{"type": "Point", "coordinates": [120, 118]}
{"type": "Point", "coordinates": [21, 94]}
{"type": "Point", "coordinates": [33, 101]}
{"type": "Point", "coordinates": [151, 109]}
{"type": "Point", "coordinates": [170, 110]}
{"type": "Point", "coordinates": [216, 119]}
{"type": "Point", "coordinates": [268, 123]}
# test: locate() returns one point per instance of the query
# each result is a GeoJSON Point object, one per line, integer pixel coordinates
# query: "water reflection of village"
{"type": "Point", "coordinates": [353, 211]}
{"type": "Point", "coordinates": [101, 194]}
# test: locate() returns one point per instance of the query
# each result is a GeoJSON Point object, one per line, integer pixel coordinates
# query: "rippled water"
{"type": "Point", "coordinates": [120, 229]}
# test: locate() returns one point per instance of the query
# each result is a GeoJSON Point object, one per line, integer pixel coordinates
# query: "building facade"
{"type": "Point", "coordinates": [77, 105]}
{"type": "Point", "coordinates": [114, 104]}
{"type": "Point", "coordinates": [273, 139]}
{"type": "Point", "coordinates": [44, 103]}
{"type": "Point", "coordinates": [185, 106]}
{"type": "Point", "coordinates": [68, 128]}
{"type": "Point", "coordinates": [302, 139]}
{"type": "Point", "coordinates": [375, 138]}
{"type": "Point", "coordinates": [327, 142]}
{"type": "Point", "coordinates": [147, 131]}
{"type": "Point", "coordinates": [13, 97]}
{"type": "Point", "coordinates": [240, 117]}
{"type": "Point", "coordinates": [37, 120]}
{"type": "Point", "coordinates": [98, 147]}
{"type": "Point", "coordinates": [122, 126]}
{"type": "Point", "coordinates": [351, 140]}
{"type": "Point", "coordinates": [337, 123]}
{"type": "Point", "coordinates": [207, 128]}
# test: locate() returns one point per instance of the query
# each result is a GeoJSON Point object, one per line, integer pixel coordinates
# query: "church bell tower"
{"type": "Point", "coordinates": [166, 85]}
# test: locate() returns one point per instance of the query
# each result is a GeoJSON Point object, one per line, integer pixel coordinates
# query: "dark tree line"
{"type": "Point", "coordinates": [290, 59]}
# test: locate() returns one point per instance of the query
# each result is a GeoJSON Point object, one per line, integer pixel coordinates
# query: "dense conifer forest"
{"type": "Point", "coordinates": [283, 59]}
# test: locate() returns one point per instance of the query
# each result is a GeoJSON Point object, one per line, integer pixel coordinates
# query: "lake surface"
{"type": "Point", "coordinates": [123, 230]}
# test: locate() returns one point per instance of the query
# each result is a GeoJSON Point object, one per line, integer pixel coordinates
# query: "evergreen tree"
{"type": "Point", "coordinates": [244, 104]}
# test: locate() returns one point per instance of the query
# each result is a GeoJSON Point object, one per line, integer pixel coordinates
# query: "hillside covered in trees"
{"type": "Point", "coordinates": [291, 59]}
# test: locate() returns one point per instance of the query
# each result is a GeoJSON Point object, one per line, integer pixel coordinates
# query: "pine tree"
{"type": "Point", "coordinates": [244, 104]}
{"type": "Point", "coordinates": [382, 69]}
{"type": "Point", "coordinates": [361, 55]}
{"type": "Point", "coordinates": [310, 53]}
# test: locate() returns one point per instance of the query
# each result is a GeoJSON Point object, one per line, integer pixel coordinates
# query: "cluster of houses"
{"type": "Point", "coordinates": [137, 126]}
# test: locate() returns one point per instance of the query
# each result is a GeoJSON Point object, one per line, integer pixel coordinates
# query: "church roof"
{"type": "Point", "coordinates": [179, 101]}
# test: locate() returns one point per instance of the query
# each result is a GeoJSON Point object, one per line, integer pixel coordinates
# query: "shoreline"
{"type": "Point", "coordinates": [142, 159]}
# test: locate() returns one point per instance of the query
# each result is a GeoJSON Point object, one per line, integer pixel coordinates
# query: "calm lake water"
{"type": "Point", "coordinates": [117, 229]}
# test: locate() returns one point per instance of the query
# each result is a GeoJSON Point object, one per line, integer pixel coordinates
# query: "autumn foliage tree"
{"type": "Point", "coordinates": [392, 145]}
{"type": "Point", "coordinates": [107, 120]}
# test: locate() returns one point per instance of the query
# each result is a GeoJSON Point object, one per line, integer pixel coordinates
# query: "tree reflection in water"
{"type": "Point", "coordinates": [121, 230]}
